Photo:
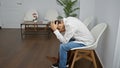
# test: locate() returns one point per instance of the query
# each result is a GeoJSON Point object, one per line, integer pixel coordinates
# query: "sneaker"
{"type": "Point", "coordinates": [67, 66]}
{"type": "Point", "coordinates": [56, 65]}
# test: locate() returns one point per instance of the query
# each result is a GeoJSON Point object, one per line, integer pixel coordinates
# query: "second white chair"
{"type": "Point", "coordinates": [88, 20]}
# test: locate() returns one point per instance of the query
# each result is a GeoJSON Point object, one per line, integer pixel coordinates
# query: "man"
{"type": "Point", "coordinates": [73, 28]}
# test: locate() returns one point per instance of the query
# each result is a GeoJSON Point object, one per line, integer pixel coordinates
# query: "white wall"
{"type": "Point", "coordinates": [108, 11]}
{"type": "Point", "coordinates": [0, 22]}
{"type": "Point", "coordinates": [12, 11]}
{"type": "Point", "coordinates": [0, 15]}
{"type": "Point", "coordinates": [87, 8]}
{"type": "Point", "coordinates": [116, 60]}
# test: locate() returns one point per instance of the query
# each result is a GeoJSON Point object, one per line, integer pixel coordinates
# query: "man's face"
{"type": "Point", "coordinates": [61, 27]}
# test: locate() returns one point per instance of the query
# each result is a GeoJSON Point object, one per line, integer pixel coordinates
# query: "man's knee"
{"type": "Point", "coordinates": [63, 47]}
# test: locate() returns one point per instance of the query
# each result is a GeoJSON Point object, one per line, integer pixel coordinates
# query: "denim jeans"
{"type": "Point", "coordinates": [64, 48]}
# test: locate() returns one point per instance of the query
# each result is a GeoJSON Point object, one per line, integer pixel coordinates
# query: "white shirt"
{"type": "Point", "coordinates": [74, 28]}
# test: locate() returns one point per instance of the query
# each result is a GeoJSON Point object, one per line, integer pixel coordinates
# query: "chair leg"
{"type": "Point", "coordinates": [74, 58]}
{"type": "Point", "coordinates": [70, 55]}
{"type": "Point", "coordinates": [93, 57]}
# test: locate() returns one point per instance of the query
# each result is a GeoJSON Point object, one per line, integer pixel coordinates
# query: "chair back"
{"type": "Point", "coordinates": [88, 20]}
{"type": "Point", "coordinates": [97, 31]}
{"type": "Point", "coordinates": [51, 15]}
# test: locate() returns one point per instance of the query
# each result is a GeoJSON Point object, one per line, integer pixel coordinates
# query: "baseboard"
{"type": "Point", "coordinates": [98, 60]}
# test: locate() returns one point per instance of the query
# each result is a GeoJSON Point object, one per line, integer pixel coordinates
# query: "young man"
{"type": "Point", "coordinates": [73, 28]}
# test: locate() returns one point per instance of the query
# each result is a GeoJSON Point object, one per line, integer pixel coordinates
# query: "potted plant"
{"type": "Point", "coordinates": [68, 7]}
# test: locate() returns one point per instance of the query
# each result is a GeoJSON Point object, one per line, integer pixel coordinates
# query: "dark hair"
{"type": "Point", "coordinates": [57, 21]}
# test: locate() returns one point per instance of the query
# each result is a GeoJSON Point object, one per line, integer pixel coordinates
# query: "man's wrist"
{"type": "Point", "coordinates": [55, 31]}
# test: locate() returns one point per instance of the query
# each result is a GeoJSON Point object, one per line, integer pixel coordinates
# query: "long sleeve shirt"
{"type": "Point", "coordinates": [74, 28]}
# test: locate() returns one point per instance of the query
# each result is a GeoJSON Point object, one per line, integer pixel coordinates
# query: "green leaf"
{"type": "Point", "coordinates": [68, 7]}
{"type": "Point", "coordinates": [60, 2]}
{"type": "Point", "coordinates": [64, 2]}
{"type": "Point", "coordinates": [59, 17]}
{"type": "Point", "coordinates": [74, 2]}
{"type": "Point", "coordinates": [73, 15]}
{"type": "Point", "coordinates": [75, 9]}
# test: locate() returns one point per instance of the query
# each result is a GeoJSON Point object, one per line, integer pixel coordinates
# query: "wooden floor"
{"type": "Point", "coordinates": [30, 52]}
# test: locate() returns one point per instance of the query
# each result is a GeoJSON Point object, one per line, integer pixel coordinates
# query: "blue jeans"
{"type": "Point", "coordinates": [64, 48]}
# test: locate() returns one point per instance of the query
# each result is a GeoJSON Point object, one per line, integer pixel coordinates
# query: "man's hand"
{"type": "Point", "coordinates": [53, 26]}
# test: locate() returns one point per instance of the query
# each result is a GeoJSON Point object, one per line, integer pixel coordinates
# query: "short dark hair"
{"type": "Point", "coordinates": [59, 21]}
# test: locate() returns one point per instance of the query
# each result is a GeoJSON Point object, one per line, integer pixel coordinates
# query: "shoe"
{"type": "Point", "coordinates": [56, 65]}
{"type": "Point", "coordinates": [67, 66]}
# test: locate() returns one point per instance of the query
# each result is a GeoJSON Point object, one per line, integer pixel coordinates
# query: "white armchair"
{"type": "Point", "coordinates": [88, 20]}
{"type": "Point", "coordinates": [87, 52]}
